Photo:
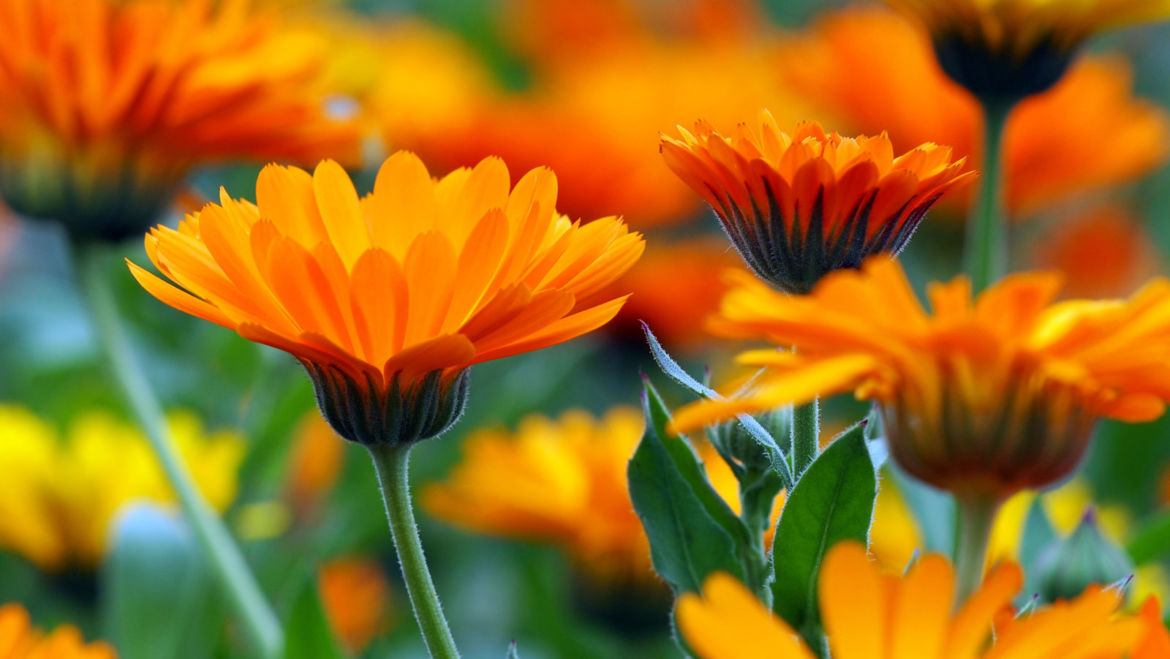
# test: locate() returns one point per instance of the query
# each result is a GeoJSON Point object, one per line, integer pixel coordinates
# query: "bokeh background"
{"type": "Point", "coordinates": [586, 88]}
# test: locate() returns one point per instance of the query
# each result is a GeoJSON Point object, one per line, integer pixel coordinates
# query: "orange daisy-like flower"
{"type": "Point", "coordinates": [20, 640]}
{"type": "Point", "coordinates": [984, 397]}
{"type": "Point", "coordinates": [871, 615]}
{"type": "Point", "coordinates": [1008, 49]}
{"type": "Point", "coordinates": [105, 105]}
{"type": "Point", "coordinates": [799, 207]}
{"type": "Point", "coordinates": [388, 299]}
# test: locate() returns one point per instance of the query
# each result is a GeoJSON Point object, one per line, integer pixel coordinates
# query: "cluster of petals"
{"type": "Point", "coordinates": [20, 640]}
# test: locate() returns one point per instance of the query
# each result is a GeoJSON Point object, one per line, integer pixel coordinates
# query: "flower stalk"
{"type": "Point", "coordinates": [806, 431]}
{"type": "Point", "coordinates": [233, 572]}
{"type": "Point", "coordinates": [392, 464]}
{"type": "Point", "coordinates": [974, 519]}
{"type": "Point", "coordinates": [986, 245]}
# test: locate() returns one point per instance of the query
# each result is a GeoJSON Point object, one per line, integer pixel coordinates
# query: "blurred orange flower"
{"type": "Point", "coordinates": [387, 300]}
{"type": "Point", "coordinates": [314, 464]}
{"type": "Point", "coordinates": [105, 105]}
{"type": "Point", "coordinates": [356, 597]}
{"type": "Point", "coordinates": [874, 71]}
{"type": "Point", "coordinates": [20, 640]}
{"type": "Point", "coordinates": [798, 207]}
{"type": "Point", "coordinates": [1102, 252]}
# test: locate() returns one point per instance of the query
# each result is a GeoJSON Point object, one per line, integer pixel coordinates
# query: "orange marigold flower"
{"type": "Point", "coordinates": [388, 299]}
{"type": "Point", "coordinates": [874, 71]}
{"type": "Point", "coordinates": [799, 207]}
{"type": "Point", "coordinates": [1102, 252]}
{"type": "Point", "coordinates": [872, 615]}
{"type": "Point", "coordinates": [356, 597]}
{"type": "Point", "coordinates": [20, 640]}
{"type": "Point", "coordinates": [1009, 49]}
{"type": "Point", "coordinates": [984, 397]}
{"type": "Point", "coordinates": [315, 463]}
{"type": "Point", "coordinates": [105, 105]}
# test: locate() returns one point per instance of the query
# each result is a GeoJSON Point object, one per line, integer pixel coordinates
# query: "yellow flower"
{"type": "Point", "coordinates": [388, 299]}
{"type": "Point", "coordinates": [106, 104]}
{"type": "Point", "coordinates": [871, 615]}
{"type": "Point", "coordinates": [798, 207]}
{"type": "Point", "coordinates": [1015, 48]}
{"type": "Point", "coordinates": [58, 497]}
{"type": "Point", "coordinates": [985, 397]}
{"type": "Point", "coordinates": [562, 481]}
{"type": "Point", "coordinates": [20, 640]}
{"type": "Point", "coordinates": [356, 597]}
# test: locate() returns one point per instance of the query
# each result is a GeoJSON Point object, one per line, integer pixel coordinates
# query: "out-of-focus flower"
{"type": "Point", "coordinates": [315, 462]}
{"type": "Point", "coordinates": [1008, 49]}
{"type": "Point", "coordinates": [20, 640]}
{"type": "Point", "coordinates": [356, 597]}
{"type": "Point", "coordinates": [869, 614]}
{"type": "Point", "coordinates": [105, 105]}
{"type": "Point", "coordinates": [984, 397]}
{"type": "Point", "coordinates": [387, 300]}
{"type": "Point", "coordinates": [1102, 252]}
{"type": "Point", "coordinates": [798, 207]}
{"type": "Point", "coordinates": [674, 288]}
{"type": "Point", "coordinates": [562, 481]}
{"type": "Point", "coordinates": [58, 497]}
{"type": "Point", "coordinates": [875, 72]}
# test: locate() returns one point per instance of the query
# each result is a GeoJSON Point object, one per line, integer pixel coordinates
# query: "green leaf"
{"type": "Point", "coordinates": [307, 631]}
{"type": "Point", "coordinates": [833, 502]}
{"type": "Point", "coordinates": [691, 529]}
{"type": "Point", "coordinates": [153, 566]}
{"type": "Point", "coordinates": [1151, 541]}
{"type": "Point", "coordinates": [675, 372]}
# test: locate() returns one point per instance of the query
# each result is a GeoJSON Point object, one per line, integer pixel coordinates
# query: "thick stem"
{"type": "Point", "coordinates": [806, 435]}
{"type": "Point", "coordinates": [230, 567]}
{"type": "Point", "coordinates": [975, 517]}
{"type": "Point", "coordinates": [985, 251]}
{"type": "Point", "coordinates": [391, 463]}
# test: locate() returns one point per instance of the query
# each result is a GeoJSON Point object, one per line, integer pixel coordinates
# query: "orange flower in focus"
{"type": "Point", "coordinates": [799, 207]}
{"type": "Point", "coordinates": [985, 396]}
{"type": "Point", "coordinates": [388, 299]}
{"type": "Point", "coordinates": [105, 105]}
{"type": "Point", "coordinates": [20, 640]}
{"type": "Point", "coordinates": [1103, 252]}
{"type": "Point", "coordinates": [356, 597]}
{"type": "Point", "coordinates": [874, 71]}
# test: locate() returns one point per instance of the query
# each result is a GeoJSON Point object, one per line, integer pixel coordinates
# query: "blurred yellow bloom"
{"type": "Point", "coordinates": [873, 71]}
{"type": "Point", "coordinates": [59, 496]}
{"type": "Point", "coordinates": [869, 614]}
{"type": "Point", "coordinates": [562, 481]}
{"type": "Point", "coordinates": [984, 396]}
{"type": "Point", "coordinates": [20, 640]}
{"type": "Point", "coordinates": [106, 104]}
{"type": "Point", "coordinates": [356, 597]}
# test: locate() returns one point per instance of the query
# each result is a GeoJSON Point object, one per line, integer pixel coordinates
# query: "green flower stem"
{"type": "Point", "coordinates": [391, 463]}
{"type": "Point", "coordinates": [234, 574]}
{"type": "Point", "coordinates": [806, 435]}
{"type": "Point", "coordinates": [975, 517]}
{"type": "Point", "coordinates": [985, 250]}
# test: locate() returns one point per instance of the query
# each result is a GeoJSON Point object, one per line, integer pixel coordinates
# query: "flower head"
{"type": "Point", "coordinates": [58, 498]}
{"type": "Point", "coordinates": [871, 615]}
{"type": "Point", "coordinates": [983, 397]}
{"type": "Point", "coordinates": [798, 207]}
{"type": "Point", "coordinates": [1014, 48]}
{"type": "Point", "coordinates": [20, 640]}
{"type": "Point", "coordinates": [356, 597]}
{"type": "Point", "coordinates": [105, 105]}
{"type": "Point", "coordinates": [388, 299]}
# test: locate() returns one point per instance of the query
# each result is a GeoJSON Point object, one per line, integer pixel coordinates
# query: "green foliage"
{"type": "Point", "coordinates": [307, 632]}
{"type": "Point", "coordinates": [833, 502]}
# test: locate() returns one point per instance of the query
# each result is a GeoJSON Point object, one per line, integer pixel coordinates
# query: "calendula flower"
{"type": "Point", "coordinates": [983, 397]}
{"type": "Point", "coordinates": [874, 71]}
{"type": "Point", "coordinates": [356, 597]}
{"type": "Point", "coordinates": [388, 299]}
{"type": "Point", "coordinates": [798, 207]}
{"type": "Point", "coordinates": [315, 463]}
{"type": "Point", "coordinates": [1102, 251]}
{"type": "Point", "coordinates": [59, 496]}
{"type": "Point", "coordinates": [20, 640]}
{"type": "Point", "coordinates": [1009, 49]}
{"type": "Point", "coordinates": [106, 104]}
{"type": "Point", "coordinates": [562, 481]}
{"type": "Point", "coordinates": [872, 615]}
